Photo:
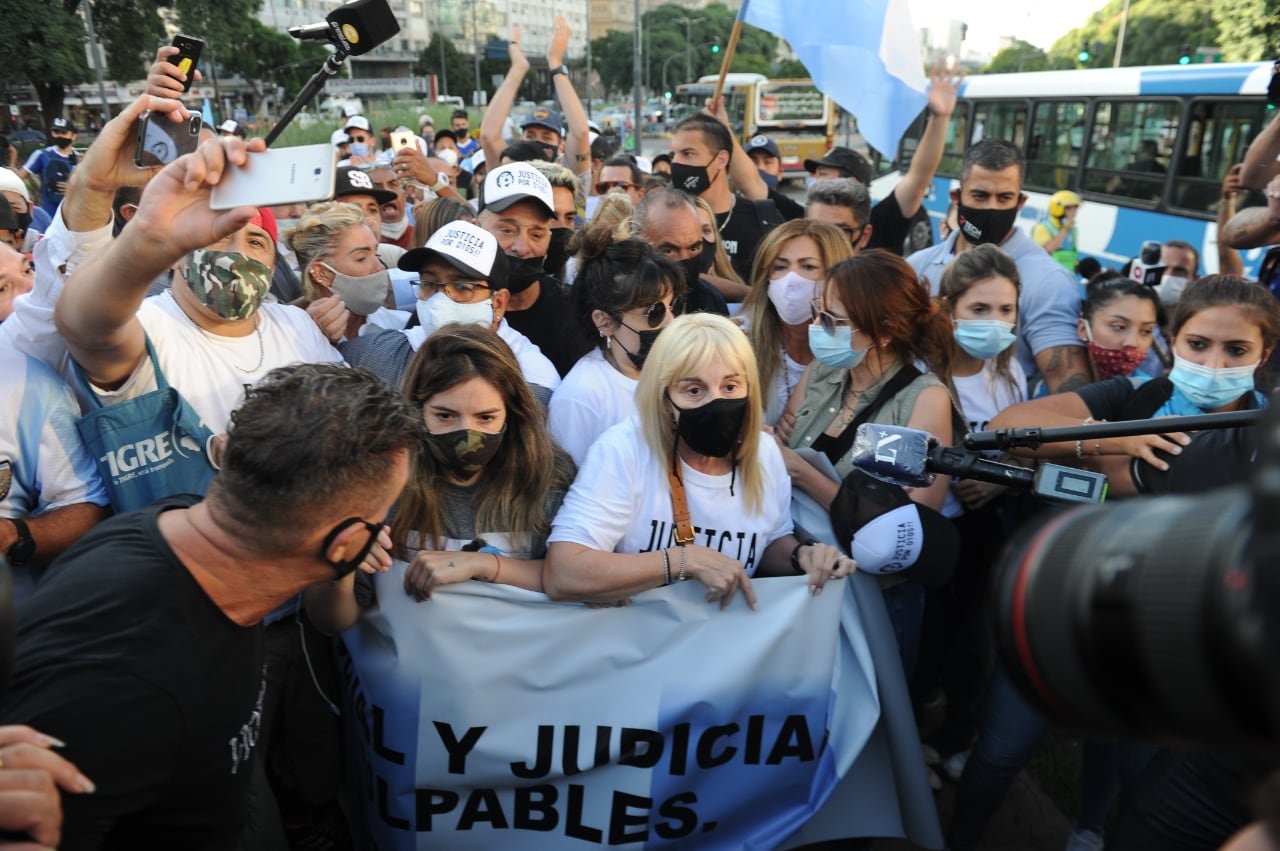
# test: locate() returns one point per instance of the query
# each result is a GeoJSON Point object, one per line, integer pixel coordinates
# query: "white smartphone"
{"type": "Point", "coordinates": [277, 176]}
{"type": "Point", "coordinates": [403, 139]}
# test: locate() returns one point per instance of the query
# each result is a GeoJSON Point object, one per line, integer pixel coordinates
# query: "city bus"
{"type": "Point", "coordinates": [1095, 131]}
{"type": "Point", "coordinates": [793, 113]}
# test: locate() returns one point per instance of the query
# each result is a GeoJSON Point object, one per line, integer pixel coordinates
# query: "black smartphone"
{"type": "Point", "coordinates": [187, 58]}
{"type": "Point", "coordinates": [161, 141]}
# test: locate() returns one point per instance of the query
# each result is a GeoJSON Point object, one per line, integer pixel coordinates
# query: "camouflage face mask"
{"type": "Point", "coordinates": [227, 282]}
{"type": "Point", "coordinates": [464, 452]}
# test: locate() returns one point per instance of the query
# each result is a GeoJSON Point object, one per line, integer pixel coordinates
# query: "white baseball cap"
{"type": "Point", "coordinates": [10, 182]}
{"type": "Point", "coordinates": [339, 137]}
{"type": "Point", "coordinates": [515, 182]}
{"type": "Point", "coordinates": [467, 247]}
{"type": "Point", "coordinates": [359, 122]}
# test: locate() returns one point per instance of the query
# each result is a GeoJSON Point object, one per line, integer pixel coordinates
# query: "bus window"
{"type": "Point", "coordinates": [1057, 138]}
{"type": "Point", "coordinates": [1000, 120]}
{"type": "Point", "coordinates": [1218, 134]}
{"type": "Point", "coordinates": [956, 143]}
{"type": "Point", "coordinates": [1130, 149]}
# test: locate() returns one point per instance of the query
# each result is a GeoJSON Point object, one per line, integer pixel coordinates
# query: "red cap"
{"type": "Point", "coordinates": [267, 221]}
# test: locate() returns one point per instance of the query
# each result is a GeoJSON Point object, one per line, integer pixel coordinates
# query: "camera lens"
{"type": "Point", "coordinates": [1140, 618]}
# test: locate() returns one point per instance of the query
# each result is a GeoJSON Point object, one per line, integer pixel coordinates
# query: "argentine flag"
{"type": "Point", "coordinates": [863, 54]}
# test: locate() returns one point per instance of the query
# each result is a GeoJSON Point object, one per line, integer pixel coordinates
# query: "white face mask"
{"type": "Point", "coordinates": [1170, 289]}
{"type": "Point", "coordinates": [395, 230]}
{"type": "Point", "coordinates": [792, 296]}
{"type": "Point", "coordinates": [441, 310]}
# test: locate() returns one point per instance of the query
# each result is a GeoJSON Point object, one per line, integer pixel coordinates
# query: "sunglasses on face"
{"type": "Point", "coordinates": [828, 320]}
{"type": "Point", "coordinates": [603, 187]}
{"type": "Point", "coordinates": [657, 312]}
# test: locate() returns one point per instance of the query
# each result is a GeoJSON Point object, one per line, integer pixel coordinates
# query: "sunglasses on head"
{"type": "Point", "coordinates": [657, 312]}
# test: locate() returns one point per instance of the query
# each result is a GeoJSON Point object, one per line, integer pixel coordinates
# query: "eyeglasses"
{"type": "Point", "coordinates": [657, 312]}
{"type": "Point", "coordinates": [342, 568]}
{"type": "Point", "coordinates": [854, 234]}
{"type": "Point", "coordinates": [828, 320]}
{"type": "Point", "coordinates": [463, 292]}
{"type": "Point", "coordinates": [603, 187]}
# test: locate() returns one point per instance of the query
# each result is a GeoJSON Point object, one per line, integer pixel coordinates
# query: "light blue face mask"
{"type": "Point", "coordinates": [359, 149]}
{"type": "Point", "coordinates": [984, 338]}
{"type": "Point", "coordinates": [1210, 388]}
{"type": "Point", "coordinates": [835, 350]}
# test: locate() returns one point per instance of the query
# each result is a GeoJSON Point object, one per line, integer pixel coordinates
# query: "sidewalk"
{"type": "Point", "coordinates": [1028, 821]}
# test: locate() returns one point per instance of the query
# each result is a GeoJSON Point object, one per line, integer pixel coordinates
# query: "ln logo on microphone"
{"type": "Point", "coordinates": [886, 449]}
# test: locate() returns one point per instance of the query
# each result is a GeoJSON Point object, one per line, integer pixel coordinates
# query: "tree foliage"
{"type": "Point", "coordinates": [1248, 29]}
{"type": "Point", "coordinates": [665, 43]}
{"type": "Point", "coordinates": [456, 76]}
{"type": "Point", "coordinates": [1156, 31]}
{"type": "Point", "coordinates": [1018, 56]}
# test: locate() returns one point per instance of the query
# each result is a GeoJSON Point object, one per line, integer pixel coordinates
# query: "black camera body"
{"type": "Point", "coordinates": [1158, 618]}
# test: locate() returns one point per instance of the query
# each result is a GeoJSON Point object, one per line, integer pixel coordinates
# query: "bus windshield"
{"type": "Point", "coordinates": [797, 104]}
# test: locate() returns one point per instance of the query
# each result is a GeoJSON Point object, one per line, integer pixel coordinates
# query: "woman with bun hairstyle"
{"type": "Point", "coordinates": [787, 278]}
{"type": "Point", "coordinates": [624, 295]}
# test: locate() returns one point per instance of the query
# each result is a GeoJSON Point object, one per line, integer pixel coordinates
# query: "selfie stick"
{"type": "Point", "coordinates": [330, 68]}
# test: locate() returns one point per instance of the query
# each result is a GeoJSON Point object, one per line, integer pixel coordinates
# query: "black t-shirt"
{"type": "Point", "coordinates": [157, 693]}
{"type": "Point", "coordinates": [743, 227]}
{"type": "Point", "coordinates": [889, 228]}
{"type": "Point", "coordinates": [549, 324]}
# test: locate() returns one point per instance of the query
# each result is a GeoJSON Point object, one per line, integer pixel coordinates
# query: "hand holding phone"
{"type": "Point", "coordinates": [161, 140]}
{"type": "Point", "coordinates": [187, 57]}
{"type": "Point", "coordinates": [402, 139]}
{"type": "Point", "coordinates": [277, 176]}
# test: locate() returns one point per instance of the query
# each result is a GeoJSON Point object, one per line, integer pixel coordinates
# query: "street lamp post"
{"type": "Point", "coordinates": [475, 34]}
{"type": "Point", "coordinates": [668, 60]}
{"type": "Point", "coordinates": [688, 46]}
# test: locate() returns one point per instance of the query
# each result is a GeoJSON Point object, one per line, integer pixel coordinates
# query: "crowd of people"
{"type": "Point", "coordinates": [513, 355]}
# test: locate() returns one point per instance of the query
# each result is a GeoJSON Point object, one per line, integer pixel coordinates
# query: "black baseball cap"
{"type": "Point", "coordinates": [61, 125]}
{"type": "Point", "coordinates": [762, 142]}
{"type": "Point", "coordinates": [845, 159]}
{"type": "Point", "coordinates": [353, 181]}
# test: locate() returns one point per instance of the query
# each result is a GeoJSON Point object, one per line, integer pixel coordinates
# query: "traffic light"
{"type": "Point", "coordinates": [715, 48]}
{"type": "Point", "coordinates": [1084, 55]}
{"type": "Point", "coordinates": [667, 95]}
{"type": "Point", "coordinates": [1185, 58]}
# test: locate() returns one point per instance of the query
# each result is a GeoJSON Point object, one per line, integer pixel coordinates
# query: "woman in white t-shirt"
{"type": "Point", "coordinates": [698, 430]}
{"type": "Point", "coordinates": [787, 277]}
{"type": "Point", "coordinates": [624, 296]}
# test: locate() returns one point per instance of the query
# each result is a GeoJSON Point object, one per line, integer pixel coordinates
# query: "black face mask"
{"type": "Point", "coordinates": [24, 220]}
{"type": "Point", "coordinates": [523, 273]}
{"type": "Point", "coordinates": [557, 251]}
{"type": "Point", "coordinates": [697, 266]}
{"type": "Point", "coordinates": [982, 226]}
{"type": "Point", "coordinates": [714, 429]}
{"type": "Point", "coordinates": [694, 179]}
{"type": "Point", "coordinates": [62, 141]}
{"type": "Point", "coordinates": [647, 339]}
{"type": "Point", "coordinates": [551, 151]}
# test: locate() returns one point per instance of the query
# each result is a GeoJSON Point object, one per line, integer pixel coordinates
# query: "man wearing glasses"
{"type": "Point", "coordinates": [154, 672]}
{"type": "Point", "coordinates": [462, 277]}
{"type": "Point", "coordinates": [844, 203]}
{"type": "Point", "coordinates": [621, 173]}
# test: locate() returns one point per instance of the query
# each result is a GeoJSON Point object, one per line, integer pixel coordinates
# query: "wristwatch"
{"type": "Point", "coordinates": [563, 69]}
{"type": "Point", "coordinates": [23, 548]}
{"type": "Point", "coordinates": [442, 182]}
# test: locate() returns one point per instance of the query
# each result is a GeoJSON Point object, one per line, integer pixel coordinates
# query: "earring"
{"type": "Point", "coordinates": [608, 341]}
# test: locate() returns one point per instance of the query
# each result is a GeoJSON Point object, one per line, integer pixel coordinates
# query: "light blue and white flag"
{"type": "Point", "coordinates": [863, 54]}
{"type": "Point", "coordinates": [206, 114]}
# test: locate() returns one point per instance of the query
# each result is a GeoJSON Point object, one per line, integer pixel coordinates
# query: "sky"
{"type": "Point", "coordinates": [1036, 21]}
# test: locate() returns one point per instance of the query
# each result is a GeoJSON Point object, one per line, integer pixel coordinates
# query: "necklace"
{"type": "Point", "coordinates": [257, 330]}
{"type": "Point", "coordinates": [848, 403]}
{"type": "Point", "coordinates": [728, 217]}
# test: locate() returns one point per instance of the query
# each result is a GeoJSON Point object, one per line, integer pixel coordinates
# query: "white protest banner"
{"type": "Point", "coordinates": [491, 717]}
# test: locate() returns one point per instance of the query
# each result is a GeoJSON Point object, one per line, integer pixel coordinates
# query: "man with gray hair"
{"type": "Point", "coordinates": [845, 203]}
{"type": "Point", "coordinates": [668, 220]}
{"type": "Point", "coordinates": [153, 672]}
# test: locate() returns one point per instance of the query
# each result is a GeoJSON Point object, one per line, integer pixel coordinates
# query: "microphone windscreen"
{"type": "Point", "coordinates": [892, 454]}
{"type": "Point", "coordinates": [362, 25]}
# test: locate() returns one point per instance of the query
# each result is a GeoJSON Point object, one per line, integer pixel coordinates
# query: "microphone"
{"type": "Point", "coordinates": [1147, 268]}
{"type": "Point", "coordinates": [911, 458]}
{"type": "Point", "coordinates": [353, 28]}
